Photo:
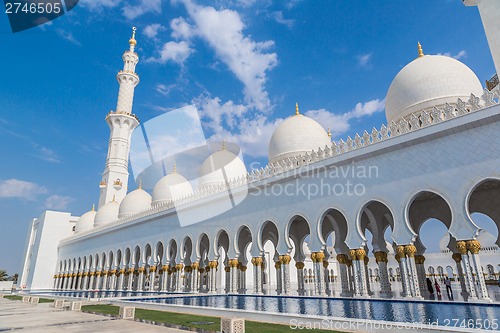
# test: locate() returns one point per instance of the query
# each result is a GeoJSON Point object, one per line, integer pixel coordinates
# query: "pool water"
{"type": "Point", "coordinates": [395, 311]}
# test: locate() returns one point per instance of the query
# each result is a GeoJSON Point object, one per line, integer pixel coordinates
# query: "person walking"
{"type": "Point", "coordinates": [429, 287]}
{"type": "Point", "coordinates": [438, 289]}
{"type": "Point", "coordinates": [449, 291]}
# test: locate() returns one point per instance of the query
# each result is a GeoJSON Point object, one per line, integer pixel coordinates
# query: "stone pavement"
{"type": "Point", "coordinates": [27, 318]}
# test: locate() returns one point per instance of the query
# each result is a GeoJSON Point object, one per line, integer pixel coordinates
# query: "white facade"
{"type": "Point", "coordinates": [42, 249]}
{"type": "Point", "coordinates": [299, 225]}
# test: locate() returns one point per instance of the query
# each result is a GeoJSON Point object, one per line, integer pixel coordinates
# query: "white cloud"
{"type": "Point", "coordinates": [176, 52]}
{"type": "Point", "coordinates": [47, 154]}
{"type": "Point", "coordinates": [460, 55]}
{"type": "Point", "coordinates": [247, 59]}
{"type": "Point", "coordinates": [278, 17]}
{"type": "Point", "coordinates": [180, 28]}
{"type": "Point", "coordinates": [68, 35]}
{"type": "Point", "coordinates": [151, 31]}
{"type": "Point", "coordinates": [15, 188]}
{"type": "Point", "coordinates": [364, 60]}
{"type": "Point", "coordinates": [144, 6]}
{"type": "Point", "coordinates": [58, 202]}
{"type": "Point", "coordinates": [164, 89]}
{"type": "Point", "coordinates": [340, 123]}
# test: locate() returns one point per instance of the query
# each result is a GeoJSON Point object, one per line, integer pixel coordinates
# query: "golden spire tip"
{"type": "Point", "coordinates": [132, 40]}
{"type": "Point", "coordinates": [297, 109]}
{"type": "Point", "coordinates": [140, 184]}
{"type": "Point", "coordinates": [420, 51]}
{"type": "Point", "coordinates": [175, 168]}
{"type": "Point", "coordinates": [329, 133]}
{"type": "Point", "coordinates": [93, 207]}
{"type": "Point", "coordinates": [223, 144]}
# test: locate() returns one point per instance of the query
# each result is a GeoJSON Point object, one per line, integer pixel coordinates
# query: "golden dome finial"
{"type": "Point", "coordinates": [175, 168]}
{"type": "Point", "coordinates": [93, 207]}
{"type": "Point", "coordinates": [297, 109]}
{"type": "Point", "coordinates": [329, 133]}
{"type": "Point", "coordinates": [140, 184]}
{"type": "Point", "coordinates": [420, 51]}
{"type": "Point", "coordinates": [223, 145]}
{"type": "Point", "coordinates": [132, 40]}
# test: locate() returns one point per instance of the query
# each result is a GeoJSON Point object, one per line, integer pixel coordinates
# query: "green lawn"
{"type": "Point", "coordinates": [190, 320]}
{"type": "Point", "coordinates": [13, 297]}
{"type": "Point", "coordinates": [19, 298]}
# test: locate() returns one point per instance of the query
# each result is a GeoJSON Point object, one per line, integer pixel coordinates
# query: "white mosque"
{"type": "Point", "coordinates": [301, 223]}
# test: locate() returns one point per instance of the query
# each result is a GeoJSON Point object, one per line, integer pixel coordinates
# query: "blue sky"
{"type": "Point", "coordinates": [244, 63]}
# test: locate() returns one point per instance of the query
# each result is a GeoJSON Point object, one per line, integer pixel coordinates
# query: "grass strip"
{"type": "Point", "coordinates": [190, 320]}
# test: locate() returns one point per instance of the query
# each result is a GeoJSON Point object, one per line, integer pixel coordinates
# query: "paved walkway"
{"type": "Point", "coordinates": [27, 318]}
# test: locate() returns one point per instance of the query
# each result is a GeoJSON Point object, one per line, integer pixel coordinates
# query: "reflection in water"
{"type": "Point", "coordinates": [416, 312]}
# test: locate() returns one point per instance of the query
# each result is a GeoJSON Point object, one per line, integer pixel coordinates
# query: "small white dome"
{"type": "Point", "coordinates": [107, 213]}
{"type": "Point", "coordinates": [486, 239]}
{"type": "Point", "coordinates": [86, 221]}
{"type": "Point", "coordinates": [220, 167]}
{"type": "Point", "coordinates": [135, 202]}
{"type": "Point", "coordinates": [427, 82]}
{"type": "Point", "coordinates": [170, 187]}
{"type": "Point", "coordinates": [297, 135]}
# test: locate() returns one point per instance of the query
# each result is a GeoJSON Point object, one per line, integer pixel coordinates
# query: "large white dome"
{"type": "Point", "coordinates": [170, 187]}
{"type": "Point", "coordinates": [220, 167]}
{"type": "Point", "coordinates": [107, 213]}
{"type": "Point", "coordinates": [295, 136]}
{"type": "Point", "coordinates": [135, 202]}
{"type": "Point", "coordinates": [427, 82]}
{"type": "Point", "coordinates": [86, 221]}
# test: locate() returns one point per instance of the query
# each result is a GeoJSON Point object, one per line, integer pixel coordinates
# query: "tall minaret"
{"type": "Point", "coordinates": [121, 123]}
{"type": "Point", "coordinates": [490, 15]}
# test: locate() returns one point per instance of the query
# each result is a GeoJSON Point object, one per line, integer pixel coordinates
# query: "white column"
{"type": "Point", "coordinates": [343, 261]}
{"type": "Point", "coordinates": [195, 277]}
{"type": "Point", "coordinates": [422, 282]}
{"type": "Point", "coordinates": [140, 280]}
{"type": "Point", "coordinates": [300, 278]}
{"type": "Point", "coordinates": [401, 258]}
{"type": "Point", "coordinates": [257, 275]}
{"type": "Point", "coordinates": [92, 278]}
{"type": "Point", "coordinates": [460, 275]}
{"type": "Point", "coordinates": [367, 275]}
{"type": "Point", "coordinates": [233, 276]}
{"type": "Point", "coordinates": [243, 279]}
{"type": "Point", "coordinates": [474, 246]}
{"type": "Point", "coordinates": [410, 251]}
{"type": "Point", "coordinates": [178, 278]}
{"type": "Point", "coordinates": [121, 278]}
{"type": "Point", "coordinates": [164, 280]}
{"type": "Point", "coordinates": [285, 272]}
{"type": "Point", "coordinates": [469, 280]}
{"type": "Point", "coordinates": [213, 276]}
{"type": "Point", "coordinates": [385, 284]}
{"type": "Point", "coordinates": [104, 278]}
{"type": "Point", "coordinates": [279, 278]}
{"type": "Point", "coordinates": [319, 281]}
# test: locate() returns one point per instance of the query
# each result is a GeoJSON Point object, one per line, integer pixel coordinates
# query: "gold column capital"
{"type": "Point", "coordinates": [419, 259]}
{"type": "Point", "coordinates": [325, 264]}
{"type": "Point", "coordinates": [360, 254]}
{"type": "Point", "coordinates": [380, 256]}
{"type": "Point", "coordinates": [473, 246]}
{"type": "Point", "coordinates": [195, 265]}
{"type": "Point", "coordinates": [462, 247]}
{"type": "Point", "coordinates": [299, 265]}
{"type": "Point", "coordinates": [410, 250]}
{"type": "Point", "coordinates": [457, 257]}
{"type": "Point", "coordinates": [342, 258]}
{"type": "Point", "coordinates": [285, 259]}
{"type": "Point", "coordinates": [227, 269]}
{"type": "Point", "coordinates": [400, 251]}
{"type": "Point", "coordinates": [233, 263]}
{"type": "Point", "coordinates": [257, 261]}
{"type": "Point", "coordinates": [213, 264]}
{"type": "Point", "coordinates": [352, 254]}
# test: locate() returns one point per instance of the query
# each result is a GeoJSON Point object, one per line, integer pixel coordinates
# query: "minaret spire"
{"type": "Point", "coordinates": [297, 109]}
{"type": "Point", "coordinates": [122, 123]}
{"type": "Point", "coordinates": [420, 51]}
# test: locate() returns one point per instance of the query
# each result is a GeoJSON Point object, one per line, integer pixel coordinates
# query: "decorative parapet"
{"type": "Point", "coordinates": [409, 124]}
